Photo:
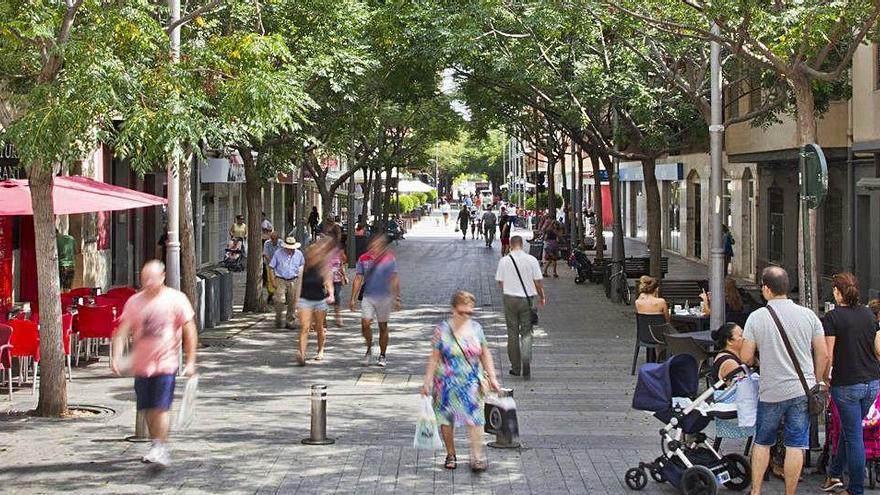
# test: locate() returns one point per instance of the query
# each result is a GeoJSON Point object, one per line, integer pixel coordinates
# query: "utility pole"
{"type": "Point", "coordinates": [617, 247]}
{"type": "Point", "coordinates": [349, 241]}
{"type": "Point", "coordinates": [172, 252]}
{"type": "Point", "coordinates": [716, 136]}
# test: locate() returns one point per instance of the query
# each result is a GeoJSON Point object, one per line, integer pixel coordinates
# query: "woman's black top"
{"type": "Point", "coordinates": [853, 329]}
{"type": "Point", "coordinates": [313, 284]}
{"type": "Point", "coordinates": [550, 235]}
{"type": "Point", "coordinates": [722, 357]}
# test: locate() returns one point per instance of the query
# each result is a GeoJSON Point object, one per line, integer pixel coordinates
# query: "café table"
{"type": "Point", "coordinates": [697, 322]}
{"type": "Point", "coordinates": [703, 337]}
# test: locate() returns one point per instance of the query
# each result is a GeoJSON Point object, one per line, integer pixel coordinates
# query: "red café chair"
{"type": "Point", "coordinates": [95, 323]}
{"type": "Point", "coordinates": [6, 354]}
{"type": "Point", "coordinates": [122, 293]}
{"type": "Point", "coordinates": [81, 292]}
{"type": "Point", "coordinates": [25, 343]}
{"type": "Point", "coordinates": [113, 301]}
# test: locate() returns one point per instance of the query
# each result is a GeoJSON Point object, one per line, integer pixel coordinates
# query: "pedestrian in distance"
{"type": "Point", "coordinates": [66, 259]}
{"type": "Point", "coordinates": [727, 238]}
{"type": "Point", "coordinates": [377, 285]}
{"type": "Point", "coordinates": [238, 232]}
{"type": "Point", "coordinates": [315, 296]}
{"type": "Point", "coordinates": [472, 212]}
{"type": "Point", "coordinates": [266, 227]}
{"type": "Point", "coordinates": [519, 277]}
{"type": "Point", "coordinates": [338, 263]}
{"type": "Point", "coordinates": [444, 210]}
{"type": "Point", "coordinates": [313, 221]}
{"type": "Point", "coordinates": [286, 264]}
{"type": "Point", "coordinates": [504, 225]}
{"type": "Point", "coordinates": [851, 334]}
{"type": "Point", "coordinates": [489, 225]}
{"type": "Point", "coordinates": [552, 232]}
{"type": "Point", "coordinates": [464, 217]}
{"type": "Point", "coordinates": [459, 359]}
{"type": "Point", "coordinates": [782, 398]}
{"type": "Point", "coordinates": [269, 247]}
{"type": "Point", "coordinates": [157, 318]}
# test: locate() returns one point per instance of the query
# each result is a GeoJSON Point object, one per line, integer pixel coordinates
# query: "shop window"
{"type": "Point", "coordinates": [673, 211]}
{"type": "Point", "coordinates": [832, 213]}
{"type": "Point", "coordinates": [776, 225]}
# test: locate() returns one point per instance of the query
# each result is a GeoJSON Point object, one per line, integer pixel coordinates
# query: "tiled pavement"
{"type": "Point", "coordinates": [578, 432]}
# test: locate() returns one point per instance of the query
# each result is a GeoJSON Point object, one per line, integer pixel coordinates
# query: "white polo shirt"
{"type": "Point", "coordinates": [529, 268]}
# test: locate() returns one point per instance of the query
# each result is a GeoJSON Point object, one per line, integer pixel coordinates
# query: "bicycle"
{"type": "Point", "coordinates": [625, 294]}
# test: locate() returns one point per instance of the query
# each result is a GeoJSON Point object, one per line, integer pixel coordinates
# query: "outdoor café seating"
{"type": "Point", "coordinates": [25, 343]}
{"type": "Point", "coordinates": [95, 324]}
{"type": "Point", "coordinates": [6, 354]}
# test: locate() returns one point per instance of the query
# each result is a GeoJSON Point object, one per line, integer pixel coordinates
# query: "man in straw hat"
{"type": "Point", "coordinates": [286, 264]}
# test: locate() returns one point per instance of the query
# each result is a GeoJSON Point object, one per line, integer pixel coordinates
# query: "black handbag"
{"type": "Point", "coordinates": [533, 311]}
{"type": "Point", "coordinates": [816, 397]}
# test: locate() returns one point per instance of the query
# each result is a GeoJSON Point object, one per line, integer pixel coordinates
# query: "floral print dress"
{"type": "Point", "coordinates": [458, 400]}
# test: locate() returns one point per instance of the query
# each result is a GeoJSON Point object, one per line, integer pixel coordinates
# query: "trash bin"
{"type": "Point", "coordinates": [225, 276]}
{"type": "Point", "coordinates": [200, 303]}
{"type": "Point", "coordinates": [212, 297]}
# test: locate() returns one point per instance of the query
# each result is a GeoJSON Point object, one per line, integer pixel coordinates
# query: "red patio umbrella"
{"type": "Point", "coordinates": [72, 195]}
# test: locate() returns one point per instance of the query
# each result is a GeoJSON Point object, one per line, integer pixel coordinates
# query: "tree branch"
{"type": "Point", "coordinates": [204, 9]}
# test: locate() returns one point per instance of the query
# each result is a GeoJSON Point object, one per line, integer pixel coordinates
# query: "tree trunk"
{"type": "Point", "coordinates": [597, 206]}
{"type": "Point", "coordinates": [652, 197]}
{"type": "Point", "coordinates": [807, 132]}
{"type": "Point", "coordinates": [386, 198]}
{"type": "Point", "coordinates": [53, 385]}
{"type": "Point", "coordinates": [253, 291]}
{"type": "Point", "coordinates": [551, 183]}
{"type": "Point", "coordinates": [188, 263]}
{"type": "Point", "coordinates": [618, 248]}
{"type": "Point", "coordinates": [367, 189]}
{"type": "Point", "coordinates": [566, 200]}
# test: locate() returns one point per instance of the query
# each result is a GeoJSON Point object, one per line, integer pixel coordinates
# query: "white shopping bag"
{"type": "Point", "coordinates": [427, 436]}
{"type": "Point", "coordinates": [747, 401]}
{"type": "Point", "coordinates": [187, 403]}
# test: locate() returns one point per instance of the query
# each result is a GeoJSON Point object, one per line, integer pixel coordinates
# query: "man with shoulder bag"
{"type": "Point", "coordinates": [519, 277]}
{"type": "Point", "coordinates": [793, 353]}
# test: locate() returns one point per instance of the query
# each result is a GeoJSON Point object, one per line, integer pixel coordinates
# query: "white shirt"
{"type": "Point", "coordinates": [529, 268]}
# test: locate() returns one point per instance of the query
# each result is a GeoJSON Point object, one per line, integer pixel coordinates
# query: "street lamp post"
{"type": "Point", "coordinates": [172, 260]}
{"type": "Point", "coordinates": [716, 134]}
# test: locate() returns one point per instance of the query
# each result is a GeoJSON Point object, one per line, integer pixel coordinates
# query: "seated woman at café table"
{"type": "Point", "coordinates": [649, 301]}
{"type": "Point", "coordinates": [733, 303]}
{"type": "Point", "coordinates": [729, 339]}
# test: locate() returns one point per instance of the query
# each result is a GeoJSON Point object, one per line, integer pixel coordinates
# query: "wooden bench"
{"type": "Point", "coordinates": [636, 267]}
{"type": "Point", "coordinates": [598, 274]}
{"type": "Point", "coordinates": [679, 291]}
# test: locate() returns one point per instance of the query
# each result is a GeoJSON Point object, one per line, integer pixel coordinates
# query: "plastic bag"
{"type": "Point", "coordinates": [187, 403]}
{"type": "Point", "coordinates": [427, 435]}
{"type": "Point", "coordinates": [747, 401]}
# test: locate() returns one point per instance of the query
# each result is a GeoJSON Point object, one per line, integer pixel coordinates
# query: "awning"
{"type": "Point", "coordinates": [72, 195]}
{"type": "Point", "coordinates": [410, 186]}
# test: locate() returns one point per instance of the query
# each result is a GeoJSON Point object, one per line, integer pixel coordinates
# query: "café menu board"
{"type": "Point", "coordinates": [10, 167]}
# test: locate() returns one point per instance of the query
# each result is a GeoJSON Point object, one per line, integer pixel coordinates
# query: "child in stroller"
{"type": "Point", "coordinates": [234, 258]}
{"type": "Point", "coordinates": [688, 461]}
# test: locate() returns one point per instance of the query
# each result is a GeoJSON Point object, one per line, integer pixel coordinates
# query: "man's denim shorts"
{"type": "Point", "coordinates": [154, 392]}
{"type": "Point", "coordinates": [795, 417]}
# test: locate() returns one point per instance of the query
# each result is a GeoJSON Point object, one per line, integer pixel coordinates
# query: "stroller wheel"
{"type": "Point", "coordinates": [698, 480]}
{"type": "Point", "coordinates": [636, 478]}
{"type": "Point", "coordinates": [578, 280]}
{"type": "Point", "coordinates": [740, 471]}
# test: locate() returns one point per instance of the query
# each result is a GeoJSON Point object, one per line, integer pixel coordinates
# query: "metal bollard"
{"type": "Point", "coordinates": [141, 431]}
{"type": "Point", "coordinates": [505, 438]}
{"type": "Point", "coordinates": [318, 432]}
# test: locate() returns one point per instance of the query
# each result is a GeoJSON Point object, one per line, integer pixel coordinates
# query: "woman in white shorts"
{"type": "Point", "coordinates": [315, 296]}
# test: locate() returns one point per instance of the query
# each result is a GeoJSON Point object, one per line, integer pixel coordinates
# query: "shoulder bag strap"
{"type": "Point", "coordinates": [791, 355]}
{"type": "Point", "coordinates": [528, 299]}
{"type": "Point", "coordinates": [452, 334]}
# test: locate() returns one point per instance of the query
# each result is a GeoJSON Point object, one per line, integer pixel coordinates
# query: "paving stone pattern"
{"type": "Point", "coordinates": [578, 432]}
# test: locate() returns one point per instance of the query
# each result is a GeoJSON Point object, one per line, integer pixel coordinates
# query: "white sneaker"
{"type": "Point", "coordinates": [163, 457]}
{"type": "Point", "coordinates": [381, 363]}
{"type": "Point", "coordinates": [150, 457]}
{"type": "Point", "coordinates": [368, 357]}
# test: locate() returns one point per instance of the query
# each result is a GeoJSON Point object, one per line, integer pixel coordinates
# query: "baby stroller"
{"type": "Point", "coordinates": [870, 434]}
{"type": "Point", "coordinates": [580, 262]}
{"type": "Point", "coordinates": [688, 461]}
{"type": "Point", "coordinates": [234, 259]}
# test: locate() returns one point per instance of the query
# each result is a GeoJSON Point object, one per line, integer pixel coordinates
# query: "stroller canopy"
{"type": "Point", "coordinates": [658, 383]}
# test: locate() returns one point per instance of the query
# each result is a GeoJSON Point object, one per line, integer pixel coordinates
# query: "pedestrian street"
{"type": "Point", "coordinates": [577, 429]}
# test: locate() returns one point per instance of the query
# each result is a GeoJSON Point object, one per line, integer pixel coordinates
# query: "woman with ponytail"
{"type": "Point", "coordinates": [853, 346]}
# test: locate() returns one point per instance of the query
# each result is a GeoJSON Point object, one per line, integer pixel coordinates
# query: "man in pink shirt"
{"type": "Point", "coordinates": [157, 318]}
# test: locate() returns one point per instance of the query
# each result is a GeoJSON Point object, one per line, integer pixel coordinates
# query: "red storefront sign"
{"type": "Point", "coordinates": [5, 262]}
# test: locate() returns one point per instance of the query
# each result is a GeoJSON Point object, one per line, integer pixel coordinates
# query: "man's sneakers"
{"type": "Point", "coordinates": [832, 485]}
{"type": "Point", "coordinates": [158, 455]}
{"type": "Point", "coordinates": [382, 362]}
{"type": "Point", "coordinates": [368, 357]}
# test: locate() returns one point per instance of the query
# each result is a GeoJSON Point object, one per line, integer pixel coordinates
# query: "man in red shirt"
{"type": "Point", "coordinates": [157, 318]}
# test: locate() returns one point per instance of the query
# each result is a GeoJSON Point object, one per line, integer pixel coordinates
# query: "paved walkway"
{"type": "Point", "coordinates": [579, 433]}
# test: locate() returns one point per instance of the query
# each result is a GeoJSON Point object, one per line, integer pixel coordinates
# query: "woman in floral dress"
{"type": "Point", "coordinates": [458, 361]}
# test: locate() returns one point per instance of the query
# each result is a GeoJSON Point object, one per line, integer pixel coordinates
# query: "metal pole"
{"type": "Point", "coordinates": [318, 427]}
{"type": "Point", "coordinates": [172, 253]}
{"type": "Point", "coordinates": [716, 136]}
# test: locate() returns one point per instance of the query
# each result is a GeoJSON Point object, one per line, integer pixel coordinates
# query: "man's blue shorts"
{"type": "Point", "coordinates": [793, 414]}
{"type": "Point", "coordinates": [154, 392]}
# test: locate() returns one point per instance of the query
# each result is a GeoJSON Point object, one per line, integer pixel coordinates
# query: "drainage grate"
{"type": "Point", "coordinates": [372, 379]}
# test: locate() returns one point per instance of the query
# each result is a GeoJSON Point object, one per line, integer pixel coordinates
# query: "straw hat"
{"type": "Point", "coordinates": [290, 243]}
